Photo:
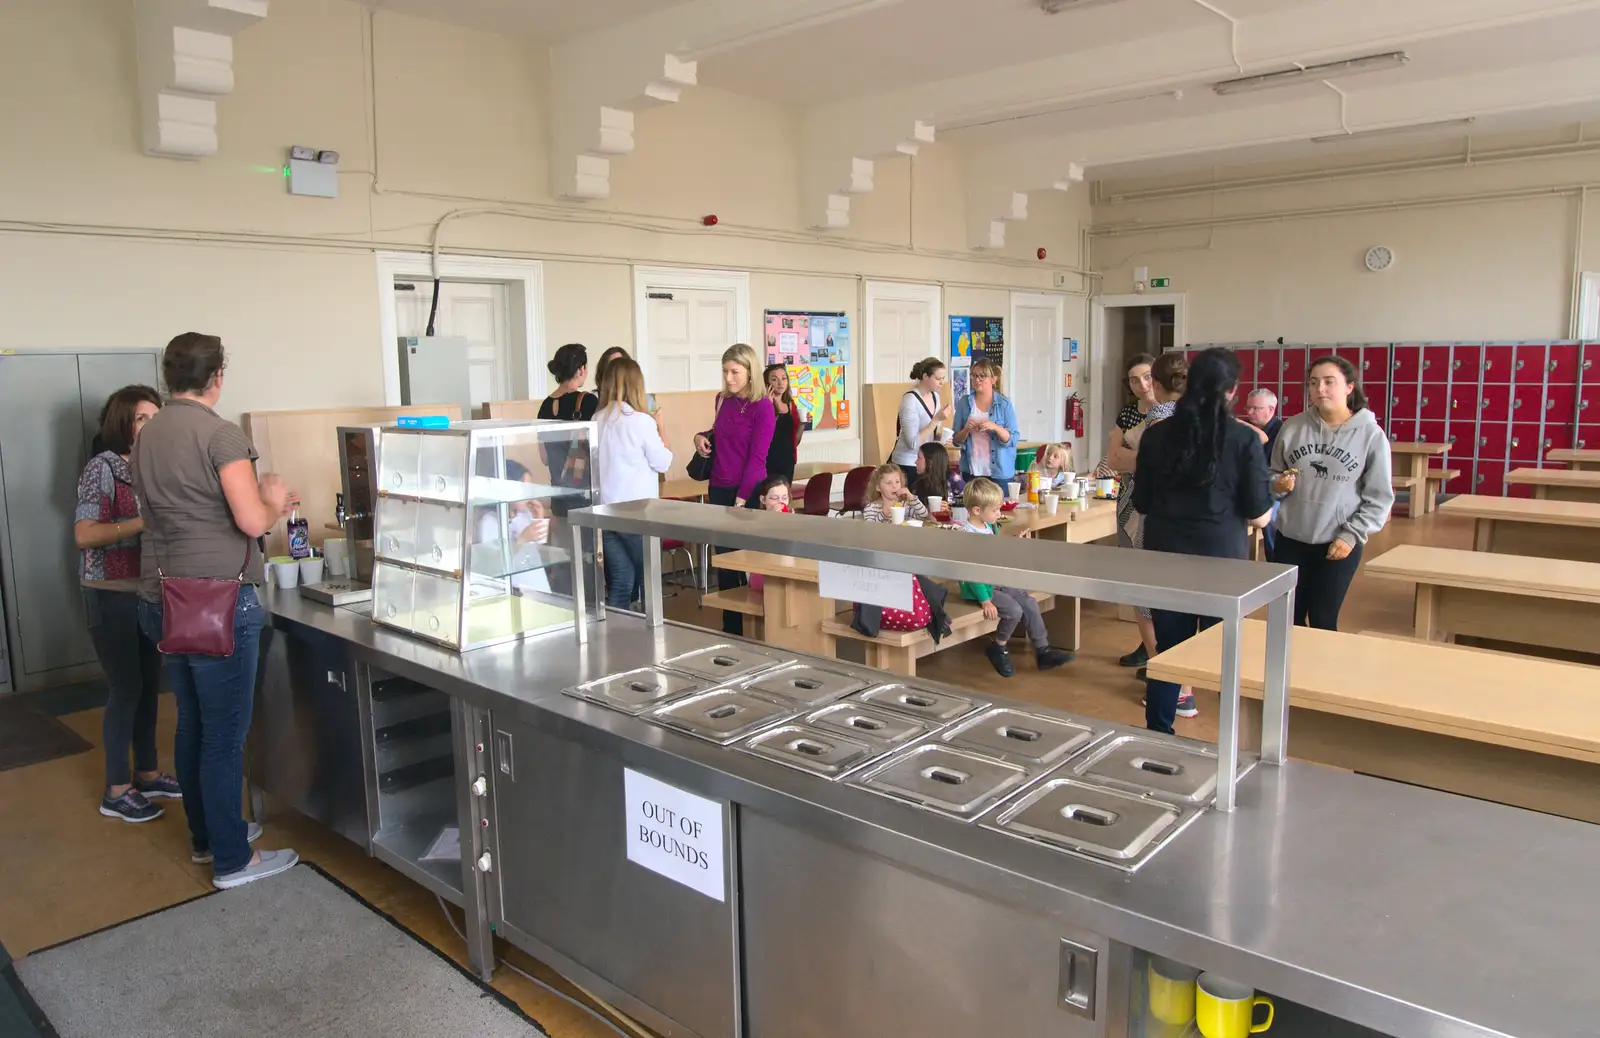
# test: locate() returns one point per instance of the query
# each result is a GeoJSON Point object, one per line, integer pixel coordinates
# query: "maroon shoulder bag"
{"type": "Point", "coordinates": [197, 613]}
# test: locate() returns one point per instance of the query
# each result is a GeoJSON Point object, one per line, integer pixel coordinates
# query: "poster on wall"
{"type": "Point", "coordinates": [815, 348]}
{"type": "Point", "coordinates": [976, 338]}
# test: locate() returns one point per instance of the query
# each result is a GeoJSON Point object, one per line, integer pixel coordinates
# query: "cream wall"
{"type": "Point", "coordinates": [102, 246]}
{"type": "Point", "coordinates": [1287, 260]}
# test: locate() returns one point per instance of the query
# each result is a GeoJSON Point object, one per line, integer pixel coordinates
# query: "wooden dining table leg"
{"type": "Point", "coordinates": [1421, 500]}
{"type": "Point", "coordinates": [1483, 535]}
{"type": "Point", "coordinates": [1426, 613]}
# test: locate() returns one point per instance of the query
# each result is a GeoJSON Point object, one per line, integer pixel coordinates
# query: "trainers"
{"type": "Point", "coordinates": [1186, 706]}
{"type": "Point", "coordinates": [1050, 659]}
{"type": "Point", "coordinates": [271, 863]}
{"type": "Point", "coordinates": [162, 786]}
{"type": "Point", "coordinates": [130, 807]}
{"type": "Point", "coordinates": [1137, 658]}
{"type": "Point", "coordinates": [251, 835]}
{"type": "Point", "coordinates": [1000, 656]}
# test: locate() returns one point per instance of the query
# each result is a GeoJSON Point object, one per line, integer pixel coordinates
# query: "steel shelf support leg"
{"type": "Point", "coordinates": [1228, 719]}
{"type": "Point", "coordinates": [1275, 701]}
{"type": "Point", "coordinates": [653, 611]}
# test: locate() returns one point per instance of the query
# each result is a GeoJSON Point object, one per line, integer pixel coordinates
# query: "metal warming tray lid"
{"type": "Point", "coordinates": [945, 779]}
{"type": "Point", "coordinates": [806, 685]}
{"type": "Point", "coordinates": [722, 715]}
{"type": "Point", "coordinates": [1018, 735]}
{"type": "Point", "coordinates": [1154, 767]}
{"type": "Point", "coordinates": [811, 749]}
{"type": "Point", "coordinates": [636, 691]}
{"type": "Point", "coordinates": [926, 703]}
{"type": "Point", "coordinates": [725, 662]}
{"type": "Point", "coordinates": [1120, 828]}
{"type": "Point", "coordinates": [859, 721]}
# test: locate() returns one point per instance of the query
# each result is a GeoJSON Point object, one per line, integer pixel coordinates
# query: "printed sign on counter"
{"type": "Point", "coordinates": [674, 833]}
{"type": "Point", "coordinates": [879, 587]}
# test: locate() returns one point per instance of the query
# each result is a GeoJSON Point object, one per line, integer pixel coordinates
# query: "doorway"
{"type": "Point", "coordinates": [684, 320]}
{"type": "Point", "coordinates": [1033, 365]}
{"type": "Point", "coordinates": [903, 327]}
{"type": "Point", "coordinates": [1122, 327]}
{"type": "Point", "coordinates": [476, 312]}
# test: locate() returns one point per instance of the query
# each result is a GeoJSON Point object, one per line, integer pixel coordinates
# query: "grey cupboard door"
{"type": "Point", "coordinates": [42, 450]}
{"type": "Point", "coordinates": [101, 374]}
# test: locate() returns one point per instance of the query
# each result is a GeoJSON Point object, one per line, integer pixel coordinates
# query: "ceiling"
{"type": "Point", "coordinates": [544, 21]}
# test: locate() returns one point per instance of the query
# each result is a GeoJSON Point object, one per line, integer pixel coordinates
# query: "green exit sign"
{"type": "Point", "coordinates": [1160, 282]}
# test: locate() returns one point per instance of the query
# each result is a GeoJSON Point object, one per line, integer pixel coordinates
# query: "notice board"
{"type": "Point", "coordinates": [815, 348]}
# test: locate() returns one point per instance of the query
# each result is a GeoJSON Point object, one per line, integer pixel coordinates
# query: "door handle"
{"type": "Point", "coordinates": [1079, 971]}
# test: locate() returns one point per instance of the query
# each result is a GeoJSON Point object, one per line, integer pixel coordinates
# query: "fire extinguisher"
{"type": "Point", "coordinates": [1075, 414]}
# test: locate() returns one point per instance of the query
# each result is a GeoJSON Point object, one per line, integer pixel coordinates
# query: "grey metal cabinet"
{"type": "Point", "coordinates": [49, 405]}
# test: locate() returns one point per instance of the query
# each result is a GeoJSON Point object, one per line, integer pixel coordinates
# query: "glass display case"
{"type": "Point", "coordinates": [470, 542]}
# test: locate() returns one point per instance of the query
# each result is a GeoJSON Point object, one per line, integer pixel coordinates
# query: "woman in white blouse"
{"type": "Point", "coordinates": [630, 455]}
{"type": "Point", "coordinates": [921, 411]}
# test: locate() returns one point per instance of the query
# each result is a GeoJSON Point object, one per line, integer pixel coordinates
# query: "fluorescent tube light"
{"type": "Point", "coordinates": [1393, 131]}
{"type": "Point", "coordinates": [1312, 73]}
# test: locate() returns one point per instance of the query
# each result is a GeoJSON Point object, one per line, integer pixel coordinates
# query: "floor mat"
{"type": "Point", "coordinates": [295, 955]}
{"type": "Point", "coordinates": [28, 735]}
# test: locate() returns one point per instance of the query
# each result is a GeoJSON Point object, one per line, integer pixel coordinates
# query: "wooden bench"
{"type": "Point", "coordinates": [1527, 526]}
{"type": "Point", "coordinates": [898, 651]}
{"type": "Point", "coordinates": [1511, 598]}
{"type": "Point", "coordinates": [746, 601]}
{"type": "Point", "coordinates": [1411, 485]}
{"type": "Point", "coordinates": [1501, 727]}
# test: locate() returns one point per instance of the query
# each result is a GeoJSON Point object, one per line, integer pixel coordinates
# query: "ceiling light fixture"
{"type": "Point", "coordinates": [1060, 6]}
{"type": "Point", "coordinates": [1393, 131]}
{"type": "Point", "coordinates": [1312, 73]}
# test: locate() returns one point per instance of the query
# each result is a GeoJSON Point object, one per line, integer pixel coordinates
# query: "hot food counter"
{"type": "Point", "coordinates": [727, 840]}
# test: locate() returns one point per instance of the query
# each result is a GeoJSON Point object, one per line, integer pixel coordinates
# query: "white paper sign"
{"type": "Point", "coordinates": [674, 833]}
{"type": "Point", "coordinates": [879, 587]}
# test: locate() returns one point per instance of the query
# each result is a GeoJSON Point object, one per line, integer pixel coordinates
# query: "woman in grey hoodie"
{"type": "Point", "coordinates": [1330, 465]}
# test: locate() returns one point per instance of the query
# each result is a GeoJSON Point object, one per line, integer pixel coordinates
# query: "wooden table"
{"type": "Point", "coordinates": [806, 469]}
{"type": "Point", "coordinates": [1558, 484]}
{"type": "Point", "coordinates": [1523, 526]}
{"type": "Point", "coordinates": [1414, 459]}
{"type": "Point", "coordinates": [684, 489]}
{"type": "Point", "coordinates": [1579, 459]}
{"type": "Point", "coordinates": [1511, 598]}
{"type": "Point", "coordinates": [1511, 729]}
{"type": "Point", "coordinates": [1075, 522]}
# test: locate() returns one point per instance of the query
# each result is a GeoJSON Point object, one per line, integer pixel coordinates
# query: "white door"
{"type": "Point", "coordinates": [1032, 368]}
{"type": "Point", "coordinates": [476, 311]}
{"type": "Point", "coordinates": [901, 329]}
{"type": "Point", "coordinates": [690, 328]}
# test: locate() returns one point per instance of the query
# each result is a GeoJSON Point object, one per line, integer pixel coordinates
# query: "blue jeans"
{"type": "Point", "coordinates": [215, 695]}
{"type": "Point", "coordinates": [1161, 697]}
{"type": "Point", "coordinates": [624, 568]}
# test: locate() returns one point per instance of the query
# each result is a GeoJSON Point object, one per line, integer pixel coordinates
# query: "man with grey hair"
{"type": "Point", "coordinates": [1261, 408]}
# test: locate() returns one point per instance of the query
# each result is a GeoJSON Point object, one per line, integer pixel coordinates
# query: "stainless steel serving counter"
{"type": "Point", "coordinates": [1418, 913]}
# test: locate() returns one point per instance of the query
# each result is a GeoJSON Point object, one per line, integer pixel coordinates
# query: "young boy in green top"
{"type": "Point", "coordinates": [1009, 605]}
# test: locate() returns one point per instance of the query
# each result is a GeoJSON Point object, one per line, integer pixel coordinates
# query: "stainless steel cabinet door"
{"type": "Point", "coordinates": [41, 456]}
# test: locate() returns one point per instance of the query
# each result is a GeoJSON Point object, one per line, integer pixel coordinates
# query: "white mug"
{"type": "Point", "coordinates": [1070, 490]}
{"type": "Point", "coordinates": [311, 570]}
{"type": "Point", "coordinates": [287, 574]}
{"type": "Point", "coordinates": [1066, 477]}
{"type": "Point", "coordinates": [935, 504]}
{"type": "Point", "coordinates": [897, 514]}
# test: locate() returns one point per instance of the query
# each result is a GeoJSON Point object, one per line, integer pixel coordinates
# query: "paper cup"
{"type": "Point", "coordinates": [935, 504]}
{"type": "Point", "coordinates": [1066, 477]}
{"type": "Point", "coordinates": [311, 571]}
{"type": "Point", "coordinates": [1071, 490]}
{"type": "Point", "coordinates": [958, 515]}
{"type": "Point", "coordinates": [335, 554]}
{"type": "Point", "coordinates": [1013, 489]}
{"type": "Point", "coordinates": [1047, 504]}
{"type": "Point", "coordinates": [285, 571]}
{"type": "Point", "coordinates": [947, 436]}
{"type": "Point", "coordinates": [897, 514]}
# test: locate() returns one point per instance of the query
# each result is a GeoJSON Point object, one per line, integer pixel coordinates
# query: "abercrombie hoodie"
{"type": "Point", "coordinates": [1343, 489]}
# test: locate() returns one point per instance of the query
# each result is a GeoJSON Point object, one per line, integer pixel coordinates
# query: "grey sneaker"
{"type": "Point", "coordinates": [252, 834]}
{"type": "Point", "coordinates": [130, 807]}
{"type": "Point", "coordinates": [271, 863]}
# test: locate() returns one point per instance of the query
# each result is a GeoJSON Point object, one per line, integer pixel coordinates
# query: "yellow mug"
{"type": "Point", "coordinates": [1171, 991]}
{"type": "Point", "coordinates": [1226, 1008]}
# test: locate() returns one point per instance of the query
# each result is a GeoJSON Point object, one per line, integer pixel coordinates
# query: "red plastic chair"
{"type": "Point", "coordinates": [855, 490]}
{"type": "Point", "coordinates": [819, 494]}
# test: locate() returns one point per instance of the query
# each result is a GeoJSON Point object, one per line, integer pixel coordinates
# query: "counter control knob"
{"type": "Point", "coordinates": [481, 786]}
{"type": "Point", "coordinates": [485, 862]}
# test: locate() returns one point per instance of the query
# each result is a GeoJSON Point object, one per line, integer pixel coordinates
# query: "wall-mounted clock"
{"type": "Point", "coordinates": [1380, 257]}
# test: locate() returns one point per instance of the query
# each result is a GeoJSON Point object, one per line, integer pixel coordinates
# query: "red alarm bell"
{"type": "Point", "coordinates": [709, 221]}
{"type": "Point", "coordinates": [1041, 253]}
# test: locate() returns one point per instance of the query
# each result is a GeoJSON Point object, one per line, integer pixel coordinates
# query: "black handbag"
{"type": "Point", "coordinates": [699, 467]}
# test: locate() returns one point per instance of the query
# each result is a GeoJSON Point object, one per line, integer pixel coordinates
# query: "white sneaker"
{"type": "Point", "coordinates": [271, 863]}
{"type": "Point", "coordinates": [251, 835]}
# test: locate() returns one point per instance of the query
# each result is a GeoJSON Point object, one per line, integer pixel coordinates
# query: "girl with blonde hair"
{"type": "Point", "coordinates": [630, 455]}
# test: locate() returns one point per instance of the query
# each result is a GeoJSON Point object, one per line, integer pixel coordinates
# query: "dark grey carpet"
{"type": "Point", "coordinates": [295, 956]}
{"type": "Point", "coordinates": [31, 736]}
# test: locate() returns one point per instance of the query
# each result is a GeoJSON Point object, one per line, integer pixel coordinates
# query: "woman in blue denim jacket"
{"type": "Point", "coordinates": [986, 428]}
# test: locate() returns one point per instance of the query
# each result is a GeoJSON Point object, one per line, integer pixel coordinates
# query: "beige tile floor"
{"type": "Point", "coordinates": [65, 870]}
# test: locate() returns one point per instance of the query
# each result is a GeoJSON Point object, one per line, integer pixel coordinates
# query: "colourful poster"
{"type": "Point", "coordinates": [819, 394]}
{"type": "Point", "coordinates": [960, 382]}
{"type": "Point", "coordinates": [976, 338]}
{"type": "Point", "coordinates": [960, 342]}
{"type": "Point", "coordinates": [788, 338]}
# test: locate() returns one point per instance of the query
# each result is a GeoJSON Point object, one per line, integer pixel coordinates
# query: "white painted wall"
{"type": "Point", "coordinates": [1497, 268]}
{"type": "Point", "coordinates": [102, 246]}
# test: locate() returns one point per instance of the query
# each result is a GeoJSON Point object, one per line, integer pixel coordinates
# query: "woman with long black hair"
{"type": "Point", "coordinates": [784, 453]}
{"type": "Point", "coordinates": [1199, 482]}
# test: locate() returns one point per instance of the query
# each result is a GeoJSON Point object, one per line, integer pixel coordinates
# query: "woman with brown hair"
{"type": "Point", "coordinates": [784, 453]}
{"type": "Point", "coordinates": [106, 528]}
{"type": "Point", "coordinates": [986, 428]}
{"type": "Point", "coordinates": [920, 413]}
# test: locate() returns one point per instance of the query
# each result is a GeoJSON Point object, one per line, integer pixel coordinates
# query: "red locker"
{"type": "Point", "coordinates": [1403, 401]}
{"type": "Point", "coordinates": [1493, 440]}
{"type": "Point", "coordinates": [1466, 363]}
{"type": "Point", "coordinates": [1588, 436]}
{"type": "Point", "coordinates": [1527, 401]}
{"type": "Point", "coordinates": [1406, 363]}
{"type": "Point", "coordinates": [1560, 403]}
{"type": "Point", "coordinates": [1374, 365]}
{"type": "Point", "coordinates": [1463, 483]}
{"type": "Point", "coordinates": [1242, 397]}
{"type": "Point", "coordinates": [1465, 398]}
{"type": "Point", "coordinates": [1530, 363]}
{"type": "Point", "coordinates": [1496, 405]}
{"type": "Point", "coordinates": [1562, 363]}
{"type": "Point", "coordinates": [1490, 479]}
{"type": "Point", "coordinates": [1402, 430]}
{"type": "Point", "coordinates": [1431, 432]}
{"type": "Point", "coordinates": [1378, 403]}
{"type": "Point", "coordinates": [1269, 361]}
{"type": "Point", "coordinates": [1247, 365]}
{"type": "Point", "coordinates": [1557, 437]}
{"type": "Point", "coordinates": [1292, 365]}
{"type": "Point", "coordinates": [1350, 351]}
{"type": "Point", "coordinates": [1498, 362]}
{"type": "Point", "coordinates": [1292, 400]}
{"type": "Point", "coordinates": [1435, 402]}
{"type": "Point", "coordinates": [1589, 402]}
{"type": "Point", "coordinates": [1519, 490]}
{"type": "Point", "coordinates": [1435, 363]}
{"type": "Point", "coordinates": [1526, 446]}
